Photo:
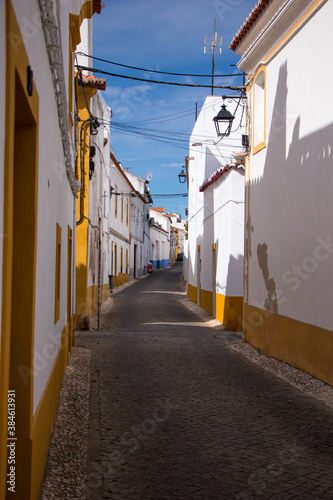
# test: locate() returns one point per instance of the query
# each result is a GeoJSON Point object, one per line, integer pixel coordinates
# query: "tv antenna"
{"type": "Point", "coordinates": [212, 46]}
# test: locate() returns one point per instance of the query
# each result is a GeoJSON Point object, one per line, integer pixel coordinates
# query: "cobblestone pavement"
{"type": "Point", "coordinates": [176, 413]}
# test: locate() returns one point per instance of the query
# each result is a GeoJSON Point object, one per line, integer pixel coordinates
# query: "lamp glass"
{"type": "Point", "coordinates": [182, 177]}
{"type": "Point", "coordinates": [223, 122]}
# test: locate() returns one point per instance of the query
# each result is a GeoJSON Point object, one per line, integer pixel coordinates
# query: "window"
{"type": "Point", "coordinates": [116, 201]}
{"type": "Point", "coordinates": [126, 260]}
{"type": "Point", "coordinates": [127, 212]}
{"type": "Point", "coordinates": [122, 206]}
{"type": "Point", "coordinates": [259, 110]}
{"type": "Point", "coordinates": [57, 274]}
{"type": "Point", "coordinates": [121, 260]}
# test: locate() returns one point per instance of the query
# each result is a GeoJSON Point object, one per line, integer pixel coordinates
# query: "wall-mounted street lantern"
{"type": "Point", "coordinates": [182, 176]}
{"type": "Point", "coordinates": [223, 121]}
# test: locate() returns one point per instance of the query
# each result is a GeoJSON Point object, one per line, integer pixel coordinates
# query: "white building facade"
{"type": "Point", "coordinates": [160, 237]}
{"type": "Point", "coordinates": [141, 249]}
{"type": "Point", "coordinates": [289, 252]}
{"type": "Point", "coordinates": [37, 223]}
{"type": "Point", "coordinates": [214, 255]}
{"type": "Point", "coordinates": [99, 237]}
{"type": "Point", "coordinates": [119, 224]}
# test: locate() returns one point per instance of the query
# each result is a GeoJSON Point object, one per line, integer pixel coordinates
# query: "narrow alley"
{"type": "Point", "coordinates": [176, 413]}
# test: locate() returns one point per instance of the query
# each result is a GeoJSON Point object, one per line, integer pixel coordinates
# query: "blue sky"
{"type": "Point", "coordinates": [164, 36]}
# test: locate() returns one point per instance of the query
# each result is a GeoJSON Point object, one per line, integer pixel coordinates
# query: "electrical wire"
{"type": "Point", "coordinates": [196, 85]}
{"type": "Point", "coordinates": [182, 114]}
{"type": "Point", "coordinates": [154, 70]}
{"type": "Point", "coordinates": [168, 194]}
{"type": "Point", "coordinates": [171, 141]}
{"type": "Point", "coordinates": [170, 135]}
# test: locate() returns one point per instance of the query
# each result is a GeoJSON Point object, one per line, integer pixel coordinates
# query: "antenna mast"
{"type": "Point", "coordinates": [213, 45]}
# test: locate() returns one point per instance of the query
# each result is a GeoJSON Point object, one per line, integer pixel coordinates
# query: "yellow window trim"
{"type": "Point", "coordinates": [57, 275]}
{"type": "Point", "coordinates": [122, 207]}
{"type": "Point", "coordinates": [261, 145]}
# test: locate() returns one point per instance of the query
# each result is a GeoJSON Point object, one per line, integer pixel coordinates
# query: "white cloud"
{"type": "Point", "coordinates": [171, 165]}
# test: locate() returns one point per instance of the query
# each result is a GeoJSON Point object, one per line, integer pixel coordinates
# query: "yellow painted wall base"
{"type": "Point", "coordinates": [30, 465]}
{"type": "Point", "coordinates": [305, 346]}
{"type": "Point", "coordinates": [206, 300]}
{"type": "Point", "coordinates": [229, 310]}
{"type": "Point", "coordinates": [92, 300]}
{"type": "Point", "coordinates": [105, 292]}
{"type": "Point", "coordinates": [45, 415]}
{"type": "Point", "coordinates": [121, 278]}
{"type": "Point", "coordinates": [192, 293]}
{"type": "Point", "coordinates": [91, 307]}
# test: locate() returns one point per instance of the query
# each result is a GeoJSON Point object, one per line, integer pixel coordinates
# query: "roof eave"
{"type": "Point", "coordinates": [248, 23]}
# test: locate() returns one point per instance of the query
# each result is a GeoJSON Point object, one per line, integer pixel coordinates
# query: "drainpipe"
{"type": "Point", "coordinates": [82, 151]}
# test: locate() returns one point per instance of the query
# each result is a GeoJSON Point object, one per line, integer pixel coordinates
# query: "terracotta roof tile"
{"type": "Point", "coordinates": [94, 82]}
{"type": "Point", "coordinates": [250, 20]}
{"type": "Point", "coordinates": [216, 175]}
{"type": "Point", "coordinates": [158, 209]}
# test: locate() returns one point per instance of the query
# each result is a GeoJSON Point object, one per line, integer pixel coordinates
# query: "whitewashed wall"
{"type": "Point", "coordinates": [55, 199]}
{"type": "Point", "coordinates": [115, 222]}
{"type": "Point", "coordinates": [99, 195]}
{"type": "Point", "coordinates": [160, 239]}
{"type": "Point", "coordinates": [215, 215]}
{"type": "Point", "coordinates": [291, 199]}
{"type": "Point", "coordinates": [140, 234]}
{"type": "Point", "coordinates": [86, 45]}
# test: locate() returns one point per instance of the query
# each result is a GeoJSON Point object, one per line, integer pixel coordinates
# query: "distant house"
{"type": "Point", "coordinates": [173, 243]}
{"type": "Point", "coordinates": [141, 249]}
{"type": "Point", "coordinates": [181, 241]}
{"type": "Point", "coordinates": [92, 215]}
{"type": "Point", "coordinates": [289, 204]}
{"type": "Point", "coordinates": [177, 233]}
{"type": "Point", "coordinates": [160, 237]}
{"type": "Point", "coordinates": [214, 256]}
{"type": "Point", "coordinates": [120, 223]}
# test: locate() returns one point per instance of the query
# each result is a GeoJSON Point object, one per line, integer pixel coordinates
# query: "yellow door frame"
{"type": "Point", "coordinates": [19, 256]}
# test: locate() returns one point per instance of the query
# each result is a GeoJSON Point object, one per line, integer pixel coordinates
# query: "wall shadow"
{"type": "Point", "coordinates": [290, 208]}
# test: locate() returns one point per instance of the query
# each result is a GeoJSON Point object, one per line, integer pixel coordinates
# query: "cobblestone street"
{"type": "Point", "coordinates": [176, 413]}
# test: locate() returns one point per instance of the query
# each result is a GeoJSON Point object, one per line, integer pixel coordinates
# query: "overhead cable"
{"type": "Point", "coordinates": [167, 194]}
{"type": "Point", "coordinates": [95, 70]}
{"type": "Point", "coordinates": [154, 70]}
